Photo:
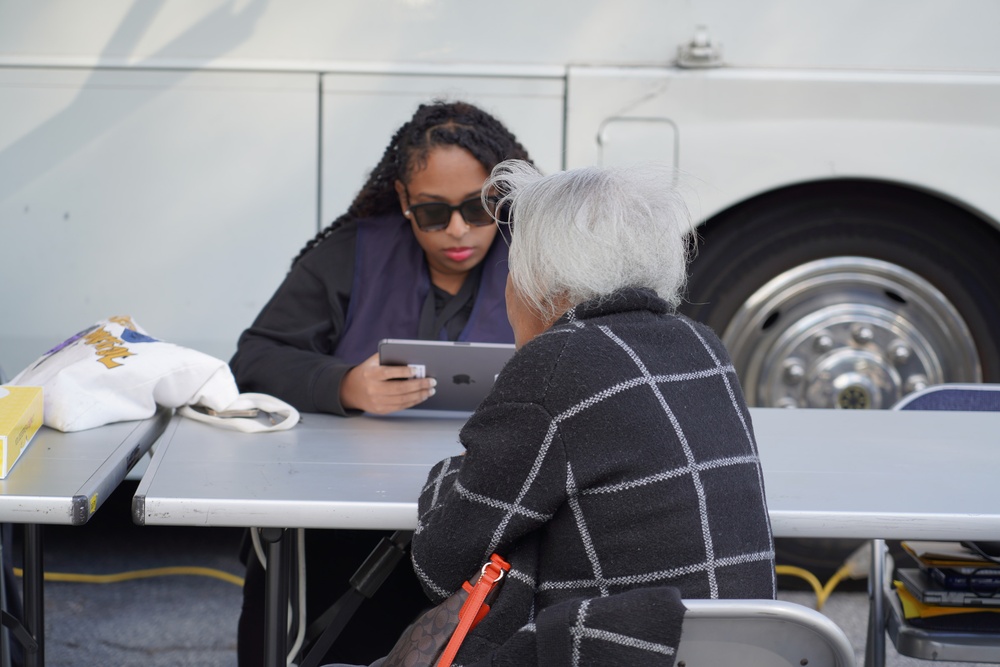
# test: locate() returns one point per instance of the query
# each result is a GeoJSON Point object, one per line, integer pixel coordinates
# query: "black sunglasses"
{"type": "Point", "coordinates": [435, 216]}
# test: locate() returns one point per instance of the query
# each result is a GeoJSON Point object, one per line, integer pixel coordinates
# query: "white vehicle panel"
{"type": "Point", "coordinates": [175, 197]}
{"type": "Point", "coordinates": [741, 133]}
{"type": "Point", "coordinates": [224, 133]}
{"type": "Point", "coordinates": [889, 34]}
{"type": "Point", "coordinates": [362, 111]}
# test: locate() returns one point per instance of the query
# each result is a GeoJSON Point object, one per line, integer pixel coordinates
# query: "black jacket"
{"type": "Point", "coordinates": [614, 454]}
{"type": "Point", "coordinates": [288, 351]}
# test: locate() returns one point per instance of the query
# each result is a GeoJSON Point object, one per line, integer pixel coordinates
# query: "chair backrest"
{"type": "Point", "coordinates": [760, 633]}
{"type": "Point", "coordinates": [953, 396]}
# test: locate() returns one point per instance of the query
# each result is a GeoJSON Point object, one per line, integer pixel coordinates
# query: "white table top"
{"type": "Point", "coordinates": [828, 473]}
{"type": "Point", "coordinates": [881, 474]}
{"type": "Point", "coordinates": [63, 478]}
{"type": "Point", "coordinates": [326, 472]}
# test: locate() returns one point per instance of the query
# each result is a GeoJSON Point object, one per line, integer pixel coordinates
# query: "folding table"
{"type": "Point", "coordinates": [827, 473]}
{"type": "Point", "coordinates": [64, 478]}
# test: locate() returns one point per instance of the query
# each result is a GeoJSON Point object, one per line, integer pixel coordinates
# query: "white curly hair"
{"type": "Point", "coordinates": [582, 234]}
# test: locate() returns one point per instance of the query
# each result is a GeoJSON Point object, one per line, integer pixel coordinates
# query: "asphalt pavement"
{"type": "Point", "coordinates": [152, 621]}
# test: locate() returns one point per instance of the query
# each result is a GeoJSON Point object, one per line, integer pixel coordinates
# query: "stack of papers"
{"type": "Point", "coordinates": [21, 411]}
{"type": "Point", "coordinates": [954, 588]}
{"type": "Point", "coordinates": [946, 554]}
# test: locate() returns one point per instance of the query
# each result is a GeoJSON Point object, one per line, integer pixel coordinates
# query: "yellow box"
{"type": "Point", "coordinates": [20, 418]}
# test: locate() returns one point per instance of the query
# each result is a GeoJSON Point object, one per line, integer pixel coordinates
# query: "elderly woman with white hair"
{"type": "Point", "coordinates": [614, 463]}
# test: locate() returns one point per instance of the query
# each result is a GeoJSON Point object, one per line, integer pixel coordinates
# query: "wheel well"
{"type": "Point", "coordinates": [869, 188]}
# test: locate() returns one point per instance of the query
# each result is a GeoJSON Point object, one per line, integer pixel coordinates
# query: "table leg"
{"type": "Point", "coordinates": [34, 602]}
{"type": "Point", "coordinates": [276, 596]}
{"type": "Point", "coordinates": [875, 646]}
{"type": "Point", "coordinates": [4, 632]}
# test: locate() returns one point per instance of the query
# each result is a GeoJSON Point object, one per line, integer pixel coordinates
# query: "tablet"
{"type": "Point", "coordinates": [464, 371]}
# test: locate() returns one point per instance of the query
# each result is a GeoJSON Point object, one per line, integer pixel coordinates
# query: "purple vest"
{"type": "Point", "coordinates": [391, 282]}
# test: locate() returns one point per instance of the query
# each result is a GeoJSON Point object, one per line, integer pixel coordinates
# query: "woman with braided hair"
{"type": "Point", "coordinates": [405, 261]}
{"type": "Point", "coordinates": [415, 256]}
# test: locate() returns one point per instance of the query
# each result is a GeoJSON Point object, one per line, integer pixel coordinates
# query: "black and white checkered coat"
{"type": "Point", "coordinates": [614, 453]}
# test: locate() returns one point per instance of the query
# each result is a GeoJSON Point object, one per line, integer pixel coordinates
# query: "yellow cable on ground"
{"type": "Point", "coordinates": [855, 566]}
{"type": "Point", "coordinates": [140, 574]}
{"type": "Point", "coordinates": [801, 573]}
{"type": "Point", "coordinates": [838, 576]}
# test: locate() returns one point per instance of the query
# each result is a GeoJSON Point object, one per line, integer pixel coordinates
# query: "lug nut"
{"type": "Point", "coordinates": [794, 372]}
{"type": "Point", "coordinates": [823, 342]}
{"type": "Point", "coordinates": [863, 334]}
{"type": "Point", "coordinates": [915, 383]}
{"type": "Point", "coordinates": [900, 352]}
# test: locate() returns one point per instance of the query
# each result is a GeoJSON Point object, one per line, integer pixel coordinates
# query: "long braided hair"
{"type": "Point", "coordinates": [435, 124]}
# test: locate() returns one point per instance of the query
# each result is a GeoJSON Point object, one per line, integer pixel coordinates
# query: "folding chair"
{"type": "Point", "coordinates": [760, 633]}
{"type": "Point", "coordinates": [909, 640]}
{"type": "Point", "coordinates": [954, 396]}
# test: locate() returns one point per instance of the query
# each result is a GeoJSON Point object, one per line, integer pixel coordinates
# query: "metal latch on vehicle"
{"type": "Point", "coordinates": [701, 51]}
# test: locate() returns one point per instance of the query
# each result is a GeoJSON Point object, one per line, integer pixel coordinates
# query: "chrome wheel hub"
{"type": "Point", "coordinates": [847, 332]}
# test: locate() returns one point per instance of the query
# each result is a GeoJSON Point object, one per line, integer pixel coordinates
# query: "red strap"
{"type": "Point", "coordinates": [470, 614]}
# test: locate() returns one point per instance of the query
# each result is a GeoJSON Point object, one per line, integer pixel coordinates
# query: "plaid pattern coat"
{"type": "Point", "coordinates": [614, 465]}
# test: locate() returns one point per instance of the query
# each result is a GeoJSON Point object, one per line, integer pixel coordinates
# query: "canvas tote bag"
{"type": "Point", "coordinates": [115, 371]}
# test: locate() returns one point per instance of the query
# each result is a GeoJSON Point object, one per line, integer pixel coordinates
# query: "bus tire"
{"type": "Point", "coordinates": [849, 294]}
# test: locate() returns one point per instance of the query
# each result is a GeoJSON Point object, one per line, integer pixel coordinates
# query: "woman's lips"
{"type": "Point", "coordinates": [458, 254]}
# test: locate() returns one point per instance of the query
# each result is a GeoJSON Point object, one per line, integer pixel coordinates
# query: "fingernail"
{"type": "Point", "coordinates": [431, 393]}
{"type": "Point", "coordinates": [434, 382]}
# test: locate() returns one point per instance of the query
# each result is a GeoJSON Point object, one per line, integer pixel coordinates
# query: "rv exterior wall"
{"type": "Point", "coordinates": [166, 160]}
